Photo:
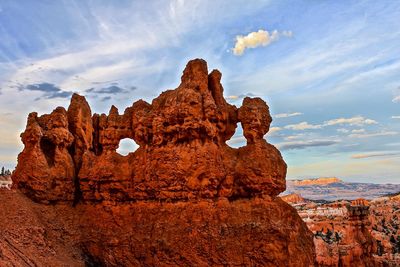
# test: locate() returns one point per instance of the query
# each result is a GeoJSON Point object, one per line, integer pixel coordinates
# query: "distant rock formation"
{"type": "Point", "coordinates": [331, 189]}
{"type": "Point", "coordinates": [354, 233]}
{"type": "Point", "coordinates": [293, 199]}
{"type": "Point", "coordinates": [183, 198]}
{"type": "Point", "coordinates": [317, 181]}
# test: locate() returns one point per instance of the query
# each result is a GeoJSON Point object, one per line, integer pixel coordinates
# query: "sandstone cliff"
{"type": "Point", "coordinates": [182, 198]}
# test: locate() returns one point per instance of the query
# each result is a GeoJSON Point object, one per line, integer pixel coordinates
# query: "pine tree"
{"type": "Point", "coordinates": [2, 171]}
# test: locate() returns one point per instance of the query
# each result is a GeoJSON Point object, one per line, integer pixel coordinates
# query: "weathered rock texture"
{"type": "Point", "coordinates": [183, 197]}
{"type": "Point", "coordinates": [342, 233]}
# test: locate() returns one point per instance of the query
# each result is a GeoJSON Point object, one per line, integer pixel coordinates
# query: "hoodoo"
{"type": "Point", "coordinates": [183, 198]}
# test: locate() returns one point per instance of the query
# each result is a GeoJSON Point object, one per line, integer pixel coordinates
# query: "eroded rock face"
{"type": "Point", "coordinates": [182, 153]}
{"type": "Point", "coordinates": [70, 157]}
{"type": "Point", "coordinates": [47, 170]}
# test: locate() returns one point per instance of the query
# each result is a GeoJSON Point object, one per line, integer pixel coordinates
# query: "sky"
{"type": "Point", "coordinates": [329, 70]}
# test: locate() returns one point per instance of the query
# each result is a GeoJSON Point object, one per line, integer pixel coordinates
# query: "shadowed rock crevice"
{"type": "Point", "coordinates": [49, 150]}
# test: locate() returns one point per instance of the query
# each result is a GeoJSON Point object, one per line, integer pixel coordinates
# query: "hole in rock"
{"type": "Point", "coordinates": [238, 139]}
{"type": "Point", "coordinates": [126, 146]}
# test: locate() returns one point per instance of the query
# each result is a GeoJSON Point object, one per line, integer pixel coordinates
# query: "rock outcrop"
{"type": "Point", "coordinates": [342, 232]}
{"type": "Point", "coordinates": [184, 197]}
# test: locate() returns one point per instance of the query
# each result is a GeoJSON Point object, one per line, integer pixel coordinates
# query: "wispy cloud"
{"type": "Point", "coordinates": [256, 39]}
{"type": "Point", "coordinates": [358, 131]}
{"type": "Point", "coordinates": [238, 97]}
{"type": "Point", "coordinates": [302, 126]}
{"type": "Point", "coordinates": [236, 140]}
{"type": "Point", "coordinates": [342, 130]}
{"type": "Point", "coordinates": [274, 130]}
{"type": "Point", "coordinates": [287, 115]}
{"type": "Point", "coordinates": [357, 121]}
{"type": "Point", "coordinates": [366, 135]}
{"type": "Point", "coordinates": [111, 90]}
{"type": "Point", "coordinates": [50, 90]}
{"type": "Point", "coordinates": [305, 144]}
{"type": "Point", "coordinates": [396, 99]}
{"type": "Point", "coordinates": [374, 154]}
{"type": "Point", "coordinates": [395, 117]}
{"type": "Point", "coordinates": [106, 98]}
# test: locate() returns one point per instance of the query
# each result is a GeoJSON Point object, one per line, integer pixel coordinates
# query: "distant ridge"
{"type": "Point", "coordinates": [293, 198]}
{"type": "Point", "coordinates": [333, 188]}
{"type": "Point", "coordinates": [318, 181]}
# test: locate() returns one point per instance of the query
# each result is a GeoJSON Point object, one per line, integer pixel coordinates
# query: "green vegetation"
{"type": "Point", "coordinates": [5, 172]}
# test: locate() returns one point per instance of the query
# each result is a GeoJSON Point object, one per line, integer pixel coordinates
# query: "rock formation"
{"type": "Point", "coordinates": [184, 197]}
{"type": "Point", "coordinates": [342, 232]}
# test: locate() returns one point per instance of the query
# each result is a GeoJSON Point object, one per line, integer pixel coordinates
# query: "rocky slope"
{"type": "Point", "coordinates": [335, 189]}
{"type": "Point", "coordinates": [183, 198]}
{"type": "Point", "coordinates": [5, 181]}
{"type": "Point", "coordinates": [353, 233]}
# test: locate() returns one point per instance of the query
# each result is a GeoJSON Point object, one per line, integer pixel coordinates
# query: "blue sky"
{"type": "Point", "coordinates": [329, 70]}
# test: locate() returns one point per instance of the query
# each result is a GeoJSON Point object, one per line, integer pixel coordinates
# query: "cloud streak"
{"type": "Point", "coordinates": [306, 144]}
{"type": "Point", "coordinates": [374, 154]}
{"type": "Point", "coordinates": [302, 126]}
{"type": "Point", "coordinates": [357, 121]}
{"type": "Point", "coordinates": [50, 90]}
{"type": "Point", "coordinates": [366, 135]}
{"type": "Point", "coordinates": [287, 115]}
{"type": "Point", "coordinates": [256, 39]}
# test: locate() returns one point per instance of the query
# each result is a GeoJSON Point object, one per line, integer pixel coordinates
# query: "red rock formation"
{"type": "Point", "coordinates": [221, 205]}
{"type": "Point", "coordinates": [293, 199]}
{"type": "Point", "coordinates": [342, 233]}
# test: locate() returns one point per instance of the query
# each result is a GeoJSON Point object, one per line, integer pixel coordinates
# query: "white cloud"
{"type": "Point", "coordinates": [374, 154]}
{"type": "Point", "coordinates": [358, 131]}
{"type": "Point", "coordinates": [366, 135]}
{"type": "Point", "coordinates": [236, 141]}
{"type": "Point", "coordinates": [357, 121]}
{"type": "Point", "coordinates": [395, 117]}
{"type": "Point", "coordinates": [342, 130]}
{"type": "Point", "coordinates": [286, 115]}
{"type": "Point", "coordinates": [255, 39]}
{"type": "Point", "coordinates": [274, 130]}
{"type": "Point", "coordinates": [302, 126]}
{"type": "Point", "coordinates": [396, 99]}
{"type": "Point", "coordinates": [305, 144]}
{"type": "Point", "coordinates": [294, 137]}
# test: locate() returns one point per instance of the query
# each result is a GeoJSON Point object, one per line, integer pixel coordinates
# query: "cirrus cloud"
{"type": "Point", "coordinates": [374, 154]}
{"type": "Point", "coordinates": [305, 144]}
{"type": "Point", "coordinates": [287, 115]}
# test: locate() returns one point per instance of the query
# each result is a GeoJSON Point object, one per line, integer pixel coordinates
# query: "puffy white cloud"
{"type": "Point", "coordinates": [302, 126]}
{"type": "Point", "coordinates": [287, 115]}
{"type": "Point", "coordinates": [357, 121]}
{"type": "Point", "coordinates": [255, 39]}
